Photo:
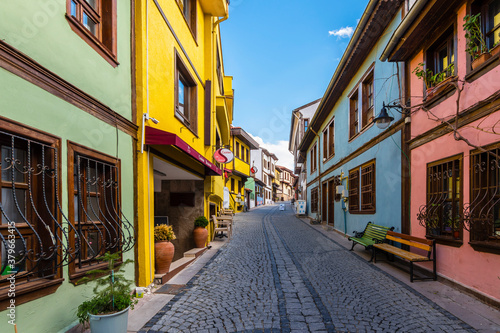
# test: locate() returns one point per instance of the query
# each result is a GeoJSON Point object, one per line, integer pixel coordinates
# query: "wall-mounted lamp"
{"type": "Point", "coordinates": [383, 120]}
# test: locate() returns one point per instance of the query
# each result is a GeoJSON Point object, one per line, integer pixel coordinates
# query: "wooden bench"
{"type": "Point", "coordinates": [373, 233]}
{"type": "Point", "coordinates": [420, 243]}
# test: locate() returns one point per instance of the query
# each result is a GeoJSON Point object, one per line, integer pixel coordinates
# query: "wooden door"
{"type": "Point", "coordinates": [331, 202]}
{"type": "Point", "coordinates": [324, 202]}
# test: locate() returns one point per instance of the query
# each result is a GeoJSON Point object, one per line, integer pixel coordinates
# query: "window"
{"type": "Point", "coordinates": [314, 157]}
{"type": "Point", "coordinates": [31, 242]}
{"type": "Point", "coordinates": [246, 155]}
{"type": "Point", "coordinates": [490, 20]}
{"type": "Point", "coordinates": [242, 152]}
{"type": "Point", "coordinates": [94, 208]}
{"type": "Point", "coordinates": [367, 115]}
{"type": "Point", "coordinates": [185, 96]}
{"type": "Point", "coordinates": [441, 56]}
{"type": "Point", "coordinates": [237, 149]}
{"type": "Point", "coordinates": [441, 214]}
{"type": "Point", "coordinates": [95, 22]}
{"type": "Point", "coordinates": [353, 115]}
{"type": "Point", "coordinates": [328, 141]}
{"type": "Point", "coordinates": [232, 185]}
{"type": "Point", "coordinates": [483, 216]}
{"type": "Point", "coordinates": [362, 96]}
{"type": "Point", "coordinates": [362, 189]}
{"type": "Point", "coordinates": [220, 77]}
{"type": "Point", "coordinates": [188, 9]}
{"type": "Point", "coordinates": [239, 186]}
{"type": "Point", "coordinates": [306, 124]}
{"type": "Point", "coordinates": [314, 200]}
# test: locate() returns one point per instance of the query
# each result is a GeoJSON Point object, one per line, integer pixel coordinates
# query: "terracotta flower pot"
{"type": "Point", "coordinates": [200, 236]}
{"type": "Point", "coordinates": [164, 253]}
{"type": "Point", "coordinates": [496, 50]}
{"type": "Point", "coordinates": [480, 60]}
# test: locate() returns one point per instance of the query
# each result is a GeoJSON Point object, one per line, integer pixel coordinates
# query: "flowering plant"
{"type": "Point", "coordinates": [164, 232]}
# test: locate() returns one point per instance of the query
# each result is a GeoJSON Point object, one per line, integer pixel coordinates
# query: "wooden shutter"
{"type": "Point", "coordinates": [368, 188]}
{"type": "Point", "coordinates": [354, 190]}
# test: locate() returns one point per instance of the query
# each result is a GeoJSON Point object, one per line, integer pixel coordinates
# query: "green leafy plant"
{"type": "Point", "coordinates": [201, 221]}
{"type": "Point", "coordinates": [476, 44]}
{"type": "Point", "coordinates": [112, 290]}
{"type": "Point", "coordinates": [430, 79]}
{"type": "Point", "coordinates": [164, 232]}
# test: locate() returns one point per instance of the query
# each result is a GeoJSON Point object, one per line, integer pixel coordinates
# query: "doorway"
{"type": "Point", "coordinates": [324, 202]}
{"type": "Point", "coordinates": [331, 202]}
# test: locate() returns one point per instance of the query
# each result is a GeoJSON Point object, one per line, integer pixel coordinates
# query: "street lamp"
{"type": "Point", "coordinates": [383, 120]}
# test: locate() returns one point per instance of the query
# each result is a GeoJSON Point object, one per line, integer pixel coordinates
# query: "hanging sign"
{"type": "Point", "coordinates": [223, 155]}
{"type": "Point", "coordinates": [254, 169]}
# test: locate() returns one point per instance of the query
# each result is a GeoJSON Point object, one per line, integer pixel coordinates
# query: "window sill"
{"type": "Point", "coordinates": [30, 291]}
{"type": "Point", "coordinates": [483, 69]}
{"type": "Point", "coordinates": [440, 93]}
{"type": "Point", "coordinates": [363, 130]}
{"type": "Point", "coordinates": [90, 39]}
{"type": "Point", "coordinates": [448, 241]}
{"type": "Point", "coordinates": [326, 160]}
{"type": "Point", "coordinates": [488, 247]}
{"type": "Point", "coordinates": [364, 212]}
{"type": "Point", "coordinates": [78, 273]}
{"type": "Point", "coordinates": [184, 121]}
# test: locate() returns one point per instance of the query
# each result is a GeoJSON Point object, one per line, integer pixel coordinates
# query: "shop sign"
{"type": "Point", "coordinates": [223, 155]}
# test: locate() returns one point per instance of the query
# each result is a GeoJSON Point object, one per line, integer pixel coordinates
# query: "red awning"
{"type": "Point", "coordinates": [156, 136]}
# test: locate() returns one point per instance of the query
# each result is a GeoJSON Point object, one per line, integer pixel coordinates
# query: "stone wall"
{"type": "Point", "coordinates": [180, 217]}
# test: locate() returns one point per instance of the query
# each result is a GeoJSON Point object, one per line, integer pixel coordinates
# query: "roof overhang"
{"type": "Point", "coordinates": [424, 22]}
{"type": "Point", "coordinates": [376, 17]}
{"type": "Point", "coordinates": [215, 7]}
{"type": "Point", "coordinates": [244, 137]}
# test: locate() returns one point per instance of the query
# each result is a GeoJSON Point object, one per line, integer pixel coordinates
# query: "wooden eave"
{"type": "Point", "coordinates": [426, 27]}
{"type": "Point", "coordinates": [378, 21]}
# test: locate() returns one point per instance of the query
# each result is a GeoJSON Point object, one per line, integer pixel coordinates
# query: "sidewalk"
{"type": "Point", "coordinates": [152, 302]}
{"type": "Point", "coordinates": [477, 314]}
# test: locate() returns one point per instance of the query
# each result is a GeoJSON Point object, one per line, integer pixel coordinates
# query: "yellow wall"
{"type": "Point", "coordinates": [156, 48]}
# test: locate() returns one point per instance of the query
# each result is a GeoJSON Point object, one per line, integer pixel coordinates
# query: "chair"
{"type": "Point", "coordinates": [222, 224]}
{"type": "Point", "coordinates": [226, 212]}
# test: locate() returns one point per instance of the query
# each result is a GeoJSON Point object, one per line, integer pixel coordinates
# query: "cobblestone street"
{"type": "Point", "coordinates": [278, 274]}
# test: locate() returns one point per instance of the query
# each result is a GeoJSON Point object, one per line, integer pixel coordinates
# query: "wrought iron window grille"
{"type": "Point", "coordinates": [441, 215]}
{"type": "Point", "coordinates": [34, 230]}
{"type": "Point", "coordinates": [36, 236]}
{"type": "Point", "coordinates": [98, 213]}
{"type": "Point", "coordinates": [482, 214]}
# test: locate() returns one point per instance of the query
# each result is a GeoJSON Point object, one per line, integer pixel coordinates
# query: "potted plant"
{"type": "Point", "coordinates": [164, 249]}
{"type": "Point", "coordinates": [200, 234]}
{"type": "Point", "coordinates": [434, 83]}
{"type": "Point", "coordinates": [495, 49]}
{"type": "Point", "coordinates": [457, 226]}
{"type": "Point", "coordinates": [107, 311]}
{"type": "Point", "coordinates": [476, 44]}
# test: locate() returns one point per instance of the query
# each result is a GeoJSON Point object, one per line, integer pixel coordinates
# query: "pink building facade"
{"type": "Point", "coordinates": [453, 139]}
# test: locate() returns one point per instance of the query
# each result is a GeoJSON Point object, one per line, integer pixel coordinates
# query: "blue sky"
{"type": "Point", "coordinates": [282, 55]}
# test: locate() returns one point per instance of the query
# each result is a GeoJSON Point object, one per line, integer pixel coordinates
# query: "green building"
{"type": "Point", "coordinates": [67, 136]}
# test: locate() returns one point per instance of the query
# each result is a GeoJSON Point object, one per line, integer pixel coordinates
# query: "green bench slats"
{"type": "Point", "coordinates": [372, 234]}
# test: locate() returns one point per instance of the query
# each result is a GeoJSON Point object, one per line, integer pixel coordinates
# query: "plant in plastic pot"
{"type": "Point", "coordinates": [200, 233]}
{"type": "Point", "coordinates": [107, 311]}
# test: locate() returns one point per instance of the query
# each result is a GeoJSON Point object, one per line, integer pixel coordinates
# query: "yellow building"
{"type": "Point", "coordinates": [277, 189]}
{"type": "Point", "coordinates": [238, 170]}
{"type": "Point", "coordinates": [185, 108]}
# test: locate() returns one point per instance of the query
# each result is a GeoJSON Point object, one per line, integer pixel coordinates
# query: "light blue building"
{"type": "Point", "coordinates": [351, 162]}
